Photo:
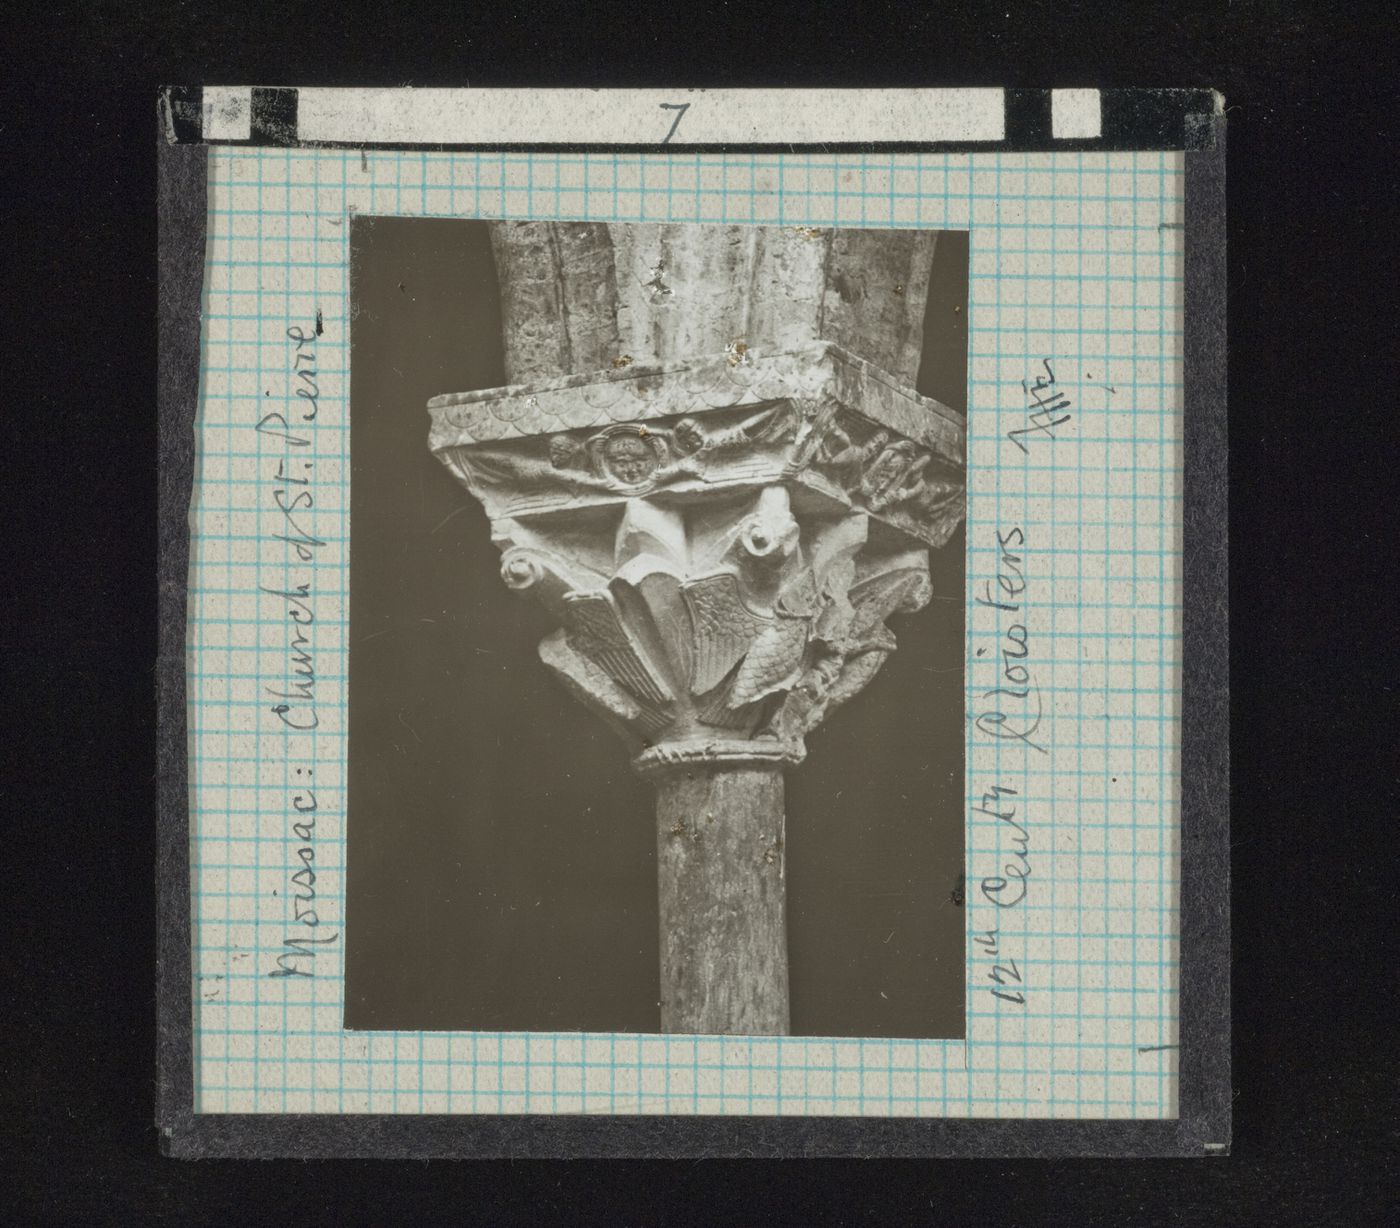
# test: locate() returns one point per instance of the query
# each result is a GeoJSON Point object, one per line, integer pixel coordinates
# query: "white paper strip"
{"type": "Point", "coordinates": [1075, 115]}
{"type": "Point", "coordinates": [227, 113]}
{"type": "Point", "coordinates": [635, 117]}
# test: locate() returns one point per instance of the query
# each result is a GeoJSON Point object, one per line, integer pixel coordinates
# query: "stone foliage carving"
{"type": "Point", "coordinates": [713, 469]}
{"type": "Point", "coordinates": [745, 630]}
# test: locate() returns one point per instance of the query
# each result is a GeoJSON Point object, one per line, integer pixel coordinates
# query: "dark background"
{"type": "Point", "coordinates": [502, 854]}
{"type": "Point", "coordinates": [1313, 373]}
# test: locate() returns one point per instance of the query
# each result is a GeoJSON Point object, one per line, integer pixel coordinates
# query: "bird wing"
{"type": "Point", "coordinates": [724, 629]}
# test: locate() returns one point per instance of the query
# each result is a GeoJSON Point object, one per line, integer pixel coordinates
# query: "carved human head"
{"type": "Point", "coordinates": [562, 451]}
{"type": "Point", "coordinates": [629, 458]}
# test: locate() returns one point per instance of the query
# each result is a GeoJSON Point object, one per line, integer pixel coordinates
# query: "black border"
{"type": "Point", "coordinates": [1203, 1125]}
{"type": "Point", "coordinates": [181, 194]}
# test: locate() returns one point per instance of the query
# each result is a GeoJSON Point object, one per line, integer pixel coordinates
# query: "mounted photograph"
{"type": "Point", "coordinates": [688, 647]}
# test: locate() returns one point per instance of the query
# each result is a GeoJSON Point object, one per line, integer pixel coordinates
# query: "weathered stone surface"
{"type": "Point", "coordinates": [829, 424]}
{"type": "Point", "coordinates": [580, 296]}
{"type": "Point", "coordinates": [558, 297]}
{"type": "Point", "coordinates": [708, 381]}
{"type": "Point", "coordinates": [719, 852]}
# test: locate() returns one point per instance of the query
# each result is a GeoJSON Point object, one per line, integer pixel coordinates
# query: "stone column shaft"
{"type": "Point", "coordinates": [719, 854]}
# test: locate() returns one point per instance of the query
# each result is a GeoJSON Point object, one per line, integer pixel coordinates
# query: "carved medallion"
{"type": "Point", "coordinates": [628, 456]}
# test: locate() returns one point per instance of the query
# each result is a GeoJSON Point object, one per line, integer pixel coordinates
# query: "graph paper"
{"type": "Point", "coordinates": [1076, 263]}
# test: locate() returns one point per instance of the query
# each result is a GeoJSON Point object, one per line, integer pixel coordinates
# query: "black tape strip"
{"type": "Point", "coordinates": [584, 1136]}
{"type": "Point", "coordinates": [1142, 119]}
{"type": "Point", "coordinates": [1027, 120]}
{"type": "Point", "coordinates": [1204, 968]}
{"type": "Point", "coordinates": [1150, 119]}
{"type": "Point", "coordinates": [274, 116]}
{"type": "Point", "coordinates": [182, 194]}
{"type": "Point", "coordinates": [184, 113]}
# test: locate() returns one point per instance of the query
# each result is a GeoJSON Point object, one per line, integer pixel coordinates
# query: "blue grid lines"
{"type": "Point", "coordinates": [1075, 258]}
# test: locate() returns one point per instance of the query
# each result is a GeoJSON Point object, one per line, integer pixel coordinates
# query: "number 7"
{"type": "Point", "coordinates": [680, 108]}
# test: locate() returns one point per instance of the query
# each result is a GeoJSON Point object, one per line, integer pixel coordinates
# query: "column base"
{"type": "Point", "coordinates": [657, 760]}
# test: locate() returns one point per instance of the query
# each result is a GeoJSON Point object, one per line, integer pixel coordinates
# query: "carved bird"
{"type": "Point", "coordinates": [774, 662]}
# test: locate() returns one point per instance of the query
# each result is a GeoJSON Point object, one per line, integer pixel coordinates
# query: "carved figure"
{"type": "Point", "coordinates": [628, 457]}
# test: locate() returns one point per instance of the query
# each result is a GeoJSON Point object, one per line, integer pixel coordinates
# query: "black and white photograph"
{"type": "Point", "coordinates": [656, 646]}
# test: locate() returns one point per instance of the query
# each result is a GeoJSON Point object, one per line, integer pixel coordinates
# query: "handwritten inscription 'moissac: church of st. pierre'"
{"type": "Point", "coordinates": [290, 485]}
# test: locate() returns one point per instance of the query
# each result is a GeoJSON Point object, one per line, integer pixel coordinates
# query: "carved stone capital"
{"type": "Point", "coordinates": [833, 427]}
{"type": "Point", "coordinates": [721, 544]}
